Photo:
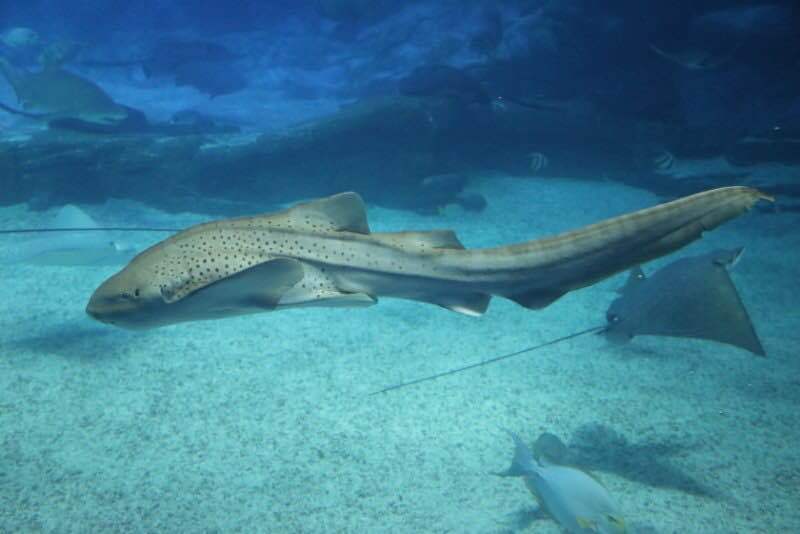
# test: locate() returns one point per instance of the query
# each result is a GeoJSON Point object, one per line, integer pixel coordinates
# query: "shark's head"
{"type": "Point", "coordinates": [129, 300]}
{"type": "Point", "coordinates": [192, 276]}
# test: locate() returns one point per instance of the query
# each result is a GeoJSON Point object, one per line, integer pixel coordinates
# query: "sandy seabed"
{"type": "Point", "coordinates": [265, 423]}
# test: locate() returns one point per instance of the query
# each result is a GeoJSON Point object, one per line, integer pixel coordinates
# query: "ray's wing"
{"type": "Point", "coordinates": [695, 298]}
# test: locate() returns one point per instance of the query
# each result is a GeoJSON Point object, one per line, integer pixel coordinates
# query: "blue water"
{"type": "Point", "coordinates": [504, 124]}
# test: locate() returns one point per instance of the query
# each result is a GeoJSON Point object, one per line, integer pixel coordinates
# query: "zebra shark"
{"type": "Point", "coordinates": [322, 253]}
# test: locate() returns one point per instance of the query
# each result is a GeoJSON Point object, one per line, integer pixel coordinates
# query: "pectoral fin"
{"type": "Point", "coordinates": [259, 287]}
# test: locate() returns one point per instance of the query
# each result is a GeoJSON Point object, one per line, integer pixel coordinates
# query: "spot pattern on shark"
{"type": "Point", "coordinates": [322, 253]}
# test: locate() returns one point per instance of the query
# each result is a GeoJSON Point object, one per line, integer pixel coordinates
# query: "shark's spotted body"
{"type": "Point", "coordinates": [322, 254]}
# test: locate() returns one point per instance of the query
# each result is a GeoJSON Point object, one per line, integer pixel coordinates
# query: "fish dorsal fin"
{"type": "Point", "coordinates": [344, 212]}
{"type": "Point", "coordinates": [421, 241]}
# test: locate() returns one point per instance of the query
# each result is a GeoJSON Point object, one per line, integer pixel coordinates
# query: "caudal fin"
{"type": "Point", "coordinates": [523, 463]}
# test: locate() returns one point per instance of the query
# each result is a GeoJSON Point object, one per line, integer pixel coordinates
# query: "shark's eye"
{"type": "Point", "coordinates": [612, 318]}
{"type": "Point", "coordinates": [128, 295]}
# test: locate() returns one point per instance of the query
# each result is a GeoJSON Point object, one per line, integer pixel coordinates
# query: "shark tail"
{"type": "Point", "coordinates": [585, 256]}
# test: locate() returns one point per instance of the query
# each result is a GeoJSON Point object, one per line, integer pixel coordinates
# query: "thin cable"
{"type": "Point", "coordinates": [94, 229]}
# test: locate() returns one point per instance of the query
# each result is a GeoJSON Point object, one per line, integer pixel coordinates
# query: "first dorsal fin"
{"type": "Point", "coordinates": [344, 212]}
{"type": "Point", "coordinates": [420, 241]}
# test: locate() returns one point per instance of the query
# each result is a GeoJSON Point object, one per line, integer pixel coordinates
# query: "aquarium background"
{"type": "Point", "coordinates": [503, 121]}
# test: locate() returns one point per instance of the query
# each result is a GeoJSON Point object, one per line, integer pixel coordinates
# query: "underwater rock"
{"type": "Point", "coordinates": [349, 11]}
{"type": "Point", "coordinates": [215, 78]}
{"type": "Point", "coordinates": [180, 166]}
{"type": "Point", "coordinates": [59, 52]}
{"type": "Point", "coordinates": [206, 66]}
{"type": "Point", "coordinates": [777, 148]}
{"type": "Point", "coordinates": [442, 189]}
{"type": "Point", "coordinates": [490, 31]}
{"type": "Point", "coordinates": [443, 81]}
{"type": "Point", "coordinates": [168, 56]}
{"type": "Point", "coordinates": [383, 148]}
{"type": "Point", "coordinates": [348, 150]}
{"type": "Point", "coordinates": [430, 195]}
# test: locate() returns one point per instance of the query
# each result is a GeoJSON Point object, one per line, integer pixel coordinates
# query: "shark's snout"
{"type": "Point", "coordinates": [100, 309]}
{"type": "Point", "coordinates": [116, 301]}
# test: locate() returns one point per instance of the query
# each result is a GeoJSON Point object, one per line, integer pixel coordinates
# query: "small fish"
{"type": "Point", "coordinates": [573, 498]}
{"type": "Point", "coordinates": [539, 162]}
{"type": "Point", "coordinates": [663, 161]}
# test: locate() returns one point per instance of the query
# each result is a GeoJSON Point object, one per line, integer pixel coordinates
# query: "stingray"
{"type": "Point", "coordinates": [76, 247]}
{"type": "Point", "coordinates": [54, 94]}
{"type": "Point", "coordinates": [692, 297]}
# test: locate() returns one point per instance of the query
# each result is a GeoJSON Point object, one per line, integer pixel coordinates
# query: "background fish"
{"type": "Point", "coordinates": [573, 498]}
{"type": "Point", "coordinates": [68, 248]}
{"type": "Point", "coordinates": [55, 93]}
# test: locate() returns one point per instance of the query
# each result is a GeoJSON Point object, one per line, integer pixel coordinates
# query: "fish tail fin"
{"type": "Point", "coordinates": [523, 463]}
